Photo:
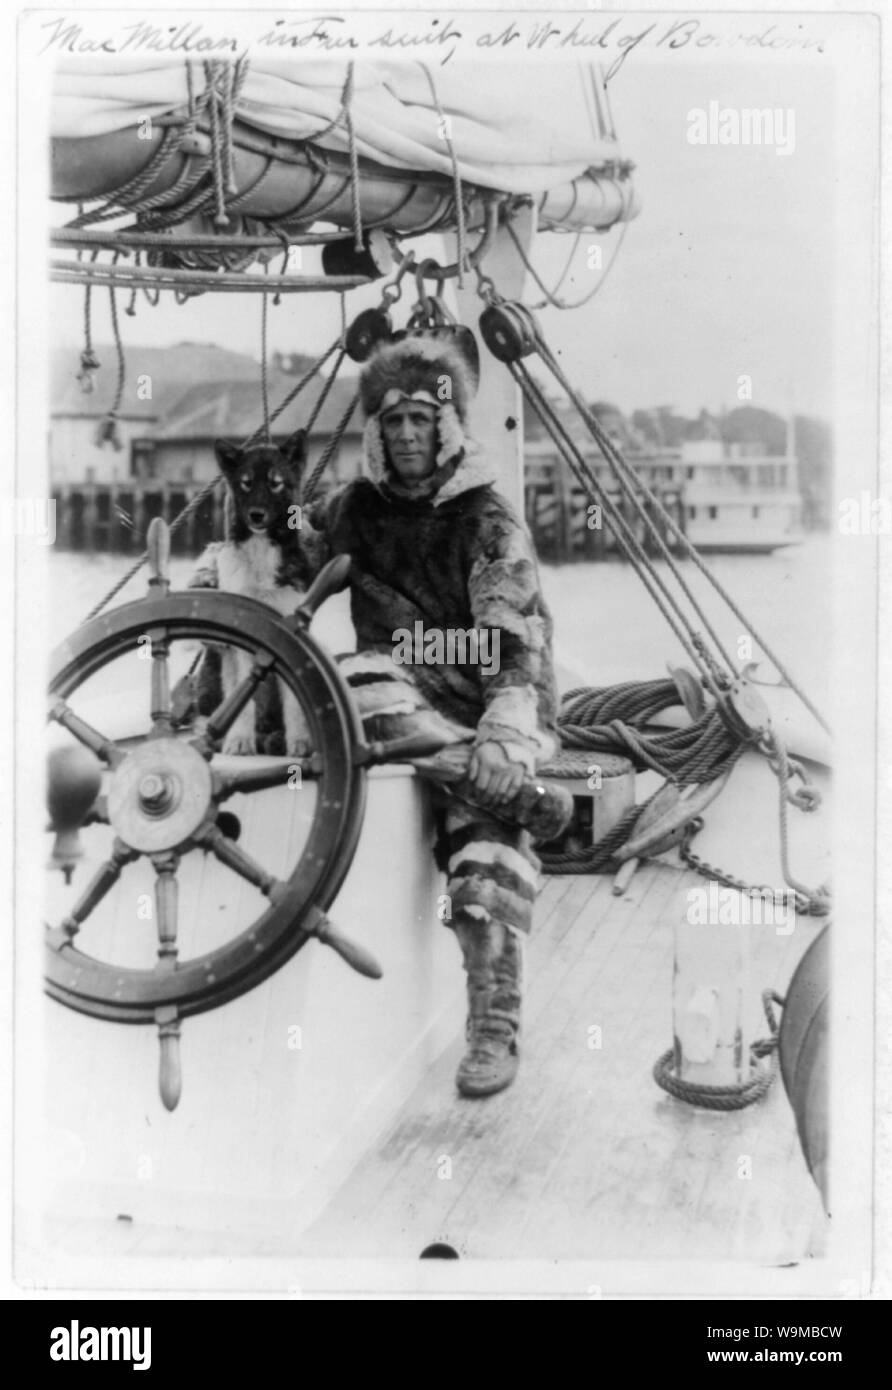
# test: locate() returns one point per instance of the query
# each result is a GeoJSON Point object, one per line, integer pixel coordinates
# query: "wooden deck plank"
{"type": "Point", "coordinates": [705, 1186]}
{"type": "Point", "coordinates": [428, 1121]}
{"type": "Point", "coordinates": [572, 1118]}
{"type": "Point", "coordinates": [571, 1164]}
{"type": "Point", "coordinates": [613, 1132]}
{"type": "Point", "coordinates": [435, 1124]}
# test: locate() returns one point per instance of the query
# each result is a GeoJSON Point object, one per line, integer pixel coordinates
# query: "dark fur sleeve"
{"type": "Point", "coordinates": [503, 584]}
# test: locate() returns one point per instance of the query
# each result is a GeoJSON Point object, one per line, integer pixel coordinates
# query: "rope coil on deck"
{"type": "Point", "coordinates": [736, 1096]}
{"type": "Point", "coordinates": [590, 720]}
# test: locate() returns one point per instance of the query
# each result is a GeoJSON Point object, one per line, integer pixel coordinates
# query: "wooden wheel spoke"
{"type": "Point", "coordinates": [170, 1071]}
{"type": "Point", "coordinates": [166, 902]}
{"type": "Point", "coordinates": [242, 863]}
{"type": "Point", "coordinates": [225, 715]}
{"type": "Point", "coordinates": [104, 748]}
{"type": "Point", "coordinates": [161, 707]}
{"type": "Point", "coordinates": [103, 880]}
{"type": "Point", "coordinates": [258, 779]}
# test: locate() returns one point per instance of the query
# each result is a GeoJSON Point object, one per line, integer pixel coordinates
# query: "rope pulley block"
{"type": "Point", "coordinates": [432, 318]}
{"type": "Point", "coordinates": [367, 330]}
{"type": "Point", "coordinates": [374, 259]}
{"type": "Point", "coordinates": [508, 331]}
{"type": "Point", "coordinates": [744, 711]}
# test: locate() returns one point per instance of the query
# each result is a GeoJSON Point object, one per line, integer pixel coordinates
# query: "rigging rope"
{"type": "Point", "coordinates": [345, 113]}
{"type": "Point", "coordinates": [625, 474]}
{"type": "Point", "coordinates": [709, 746]}
{"type": "Point", "coordinates": [132, 190]}
{"type": "Point", "coordinates": [130, 311]}
{"type": "Point", "coordinates": [108, 427]}
{"type": "Point", "coordinates": [630, 485]}
{"type": "Point", "coordinates": [330, 450]}
{"type": "Point", "coordinates": [216, 104]}
{"type": "Point", "coordinates": [443, 131]}
{"type": "Point", "coordinates": [551, 296]}
{"type": "Point", "coordinates": [628, 543]}
{"type": "Point", "coordinates": [633, 484]}
{"type": "Point", "coordinates": [89, 360]}
{"type": "Point", "coordinates": [615, 719]}
{"type": "Point", "coordinates": [209, 487]}
{"type": "Point", "coordinates": [293, 393]}
{"type": "Point", "coordinates": [264, 385]}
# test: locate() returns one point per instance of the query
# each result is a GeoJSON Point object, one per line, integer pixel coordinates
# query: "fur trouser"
{"type": "Point", "coordinates": [492, 870]}
{"type": "Point", "coordinates": [491, 867]}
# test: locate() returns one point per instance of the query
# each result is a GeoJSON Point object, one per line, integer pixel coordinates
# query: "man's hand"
{"type": "Point", "coordinates": [496, 779]}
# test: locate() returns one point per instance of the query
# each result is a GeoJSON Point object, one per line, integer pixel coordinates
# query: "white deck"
{"type": "Point", "coordinates": [583, 1158]}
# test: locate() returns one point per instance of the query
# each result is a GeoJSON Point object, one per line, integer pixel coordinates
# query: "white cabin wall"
{"type": "Point", "coordinates": [73, 449]}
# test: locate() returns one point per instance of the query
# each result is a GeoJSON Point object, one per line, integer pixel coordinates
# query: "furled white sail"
{"type": "Point", "coordinates": [511, 129]}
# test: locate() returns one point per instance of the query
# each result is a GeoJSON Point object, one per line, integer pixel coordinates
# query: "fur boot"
{"type": "Point", "coordinates": [493, 956]}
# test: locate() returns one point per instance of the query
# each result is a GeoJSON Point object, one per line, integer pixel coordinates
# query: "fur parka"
{"type": "Point", "coordinates": [459, 559]}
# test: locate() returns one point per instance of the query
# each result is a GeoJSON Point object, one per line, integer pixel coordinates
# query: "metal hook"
{"type": "Point", "coordinates": [748, 673]}
{"type": "Point", "coordinates": [423, 300]}
{"type": "Point", "coordinates": [431, 269]}
{"type": "Point", "coordinates": [391, 290]}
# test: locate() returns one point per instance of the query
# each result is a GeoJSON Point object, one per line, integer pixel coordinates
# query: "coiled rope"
{"type": "Point", "coordinates": [613, 719]}
{"type": "Point", "coordinates": [737, 1095]}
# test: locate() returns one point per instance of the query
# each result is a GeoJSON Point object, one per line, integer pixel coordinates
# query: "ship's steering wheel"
{"type": "Point", "coordinates": [165, 790]}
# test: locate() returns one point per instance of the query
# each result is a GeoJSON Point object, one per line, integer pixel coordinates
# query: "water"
{"type": "Point", "coordinates": [607, 628]}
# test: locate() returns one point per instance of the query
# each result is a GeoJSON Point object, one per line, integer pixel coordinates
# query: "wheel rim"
{"type": "Point", "coordinates": [125, 994]}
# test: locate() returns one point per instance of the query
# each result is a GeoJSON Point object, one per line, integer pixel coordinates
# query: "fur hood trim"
{"type": "Point", "coordinates": [417, 363]}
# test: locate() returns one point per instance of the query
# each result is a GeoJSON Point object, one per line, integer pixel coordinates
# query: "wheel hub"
{"type": "Point", "coordinates": [159, 795]}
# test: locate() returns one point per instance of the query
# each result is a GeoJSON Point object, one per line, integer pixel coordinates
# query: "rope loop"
{"type": "Point", "coordinates": [736, 1095]}
{"type": "Point", "coordinates": [486, 288]}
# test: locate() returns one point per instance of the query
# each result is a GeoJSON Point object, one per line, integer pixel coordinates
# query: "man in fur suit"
{"type": "Point", "coordinates": [433, 543]}
{"type": "Point", "coordinates": [435, 548]}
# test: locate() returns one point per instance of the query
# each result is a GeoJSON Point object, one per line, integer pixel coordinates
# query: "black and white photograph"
{"type": "Point", "coordinates": [445, 524]}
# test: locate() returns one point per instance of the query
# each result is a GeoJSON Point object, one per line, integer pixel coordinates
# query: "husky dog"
{"type": "Point", "coordinates": [264, 559]}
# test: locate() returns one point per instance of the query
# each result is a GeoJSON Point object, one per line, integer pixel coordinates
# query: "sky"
{"type": "Point", "coordinates": [727, 272]}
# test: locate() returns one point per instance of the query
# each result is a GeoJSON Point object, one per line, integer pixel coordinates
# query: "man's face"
{"type": "Point", "coordinates": [410, 437]}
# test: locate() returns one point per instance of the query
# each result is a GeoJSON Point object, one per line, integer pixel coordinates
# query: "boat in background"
{"type": "Point", "coordinates": [742, 504]}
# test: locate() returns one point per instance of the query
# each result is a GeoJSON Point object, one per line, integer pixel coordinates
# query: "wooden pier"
{"type": "Point", "coordinates": [114, 517]}
{"type": "Point", "coordinates": [564, 522]}
{"type": "Point", "coordinates": [567, 524]}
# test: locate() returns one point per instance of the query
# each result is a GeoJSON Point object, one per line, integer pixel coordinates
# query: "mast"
{"type": "Point", "coordinates": [497, 412]}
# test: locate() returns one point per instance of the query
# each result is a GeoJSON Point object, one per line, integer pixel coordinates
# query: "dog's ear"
{"type": "Point", "coordinates": [228, 455]}
{"type": "Point", "coordinates": [295, 451]}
